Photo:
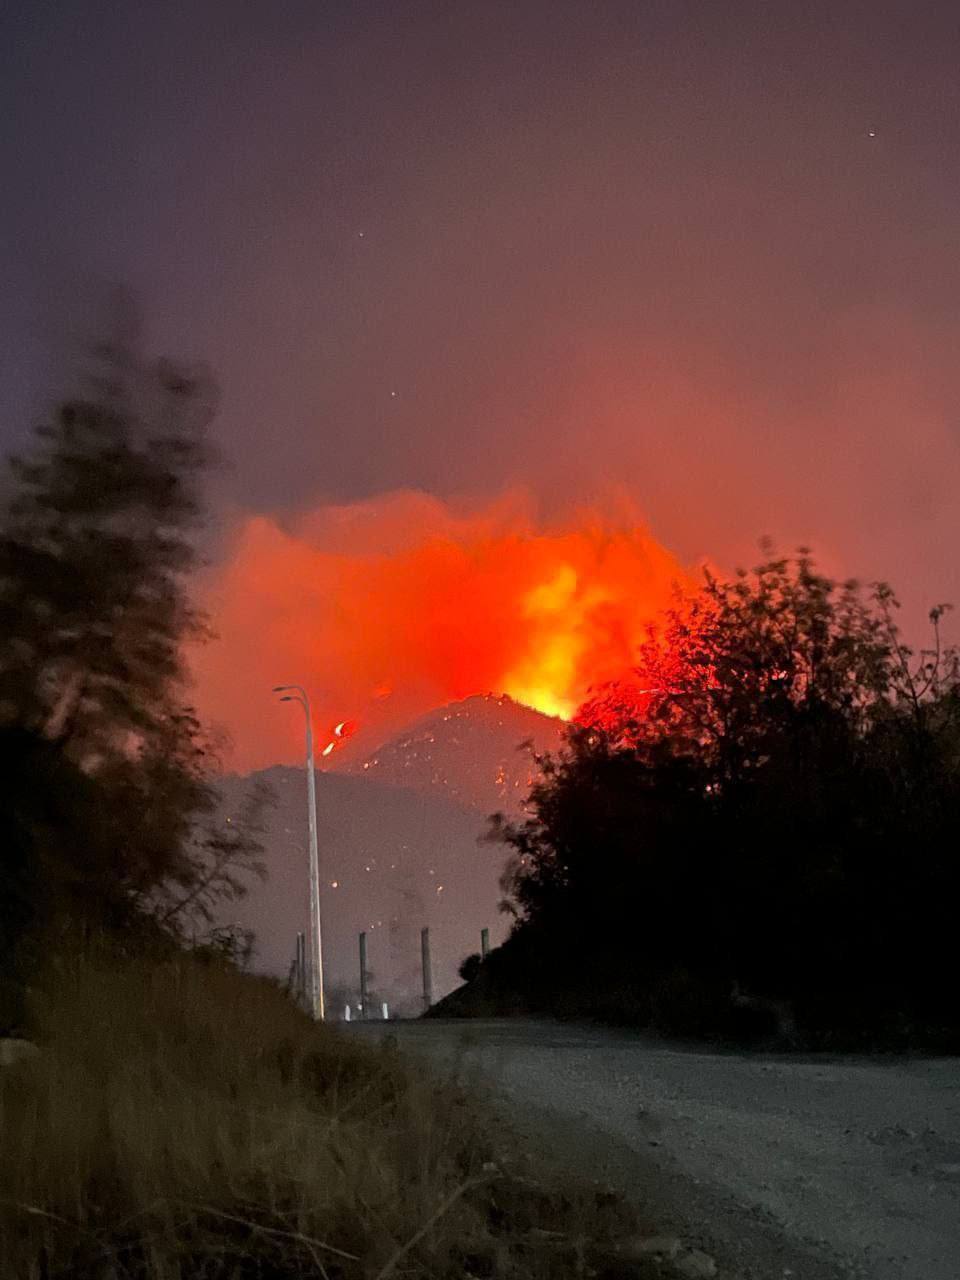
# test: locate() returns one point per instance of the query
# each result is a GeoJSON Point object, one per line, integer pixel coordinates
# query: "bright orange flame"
{"type": "Point", "coordinates": [550, 677]}
{"type": "Point", "coordinates": [399, 604]}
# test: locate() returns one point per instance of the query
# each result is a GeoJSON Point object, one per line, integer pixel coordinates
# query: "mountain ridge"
{"type": "Point", "coordinates": [401, 848]}
{"type": "Point", "coordinates": [480, 751]}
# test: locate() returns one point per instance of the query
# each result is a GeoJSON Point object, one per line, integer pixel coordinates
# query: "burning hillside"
{"type": "Point", "coordinates": [389, 608]}
{"type": "Point", "coordinates": [400, 845]}
{"type": "Point", "coordinates": [478, 753]}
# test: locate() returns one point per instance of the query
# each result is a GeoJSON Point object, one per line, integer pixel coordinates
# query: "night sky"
{"type": "Point", "coordinates": [701, 255]}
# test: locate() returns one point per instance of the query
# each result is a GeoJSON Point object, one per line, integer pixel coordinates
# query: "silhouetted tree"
{"type": "Point", "coordinates": [110, 814]}
{"type": "Point", "coordinates": [95, 551]}
{"type": "Point", "coordinates": [221, 856]}
{"type": "Point", "coordinates": [771, 799]}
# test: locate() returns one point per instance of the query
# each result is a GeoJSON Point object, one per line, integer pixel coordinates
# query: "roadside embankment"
{"type": "Point", "coordinates": [183, 1119]}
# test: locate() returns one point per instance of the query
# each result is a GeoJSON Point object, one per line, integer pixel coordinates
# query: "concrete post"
{"type": "Point", "coordinates": [484, 943]}
{"type": "Point", "coordinates": [364, 1012]}
{"type": "Point", "coordinates": [427, 972]}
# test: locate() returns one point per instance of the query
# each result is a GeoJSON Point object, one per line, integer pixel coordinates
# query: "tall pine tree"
{"type": "Point", "coordinates": [109, 770]}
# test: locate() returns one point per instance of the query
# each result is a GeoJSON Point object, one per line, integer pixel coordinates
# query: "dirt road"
{"type": "Point", "coordinates": [780, 1167]}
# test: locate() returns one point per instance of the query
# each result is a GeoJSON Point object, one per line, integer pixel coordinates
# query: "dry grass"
{"type": "Point", "coordinates": [185, 1121]}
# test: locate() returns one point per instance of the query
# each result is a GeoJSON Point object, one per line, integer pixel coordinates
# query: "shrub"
{"type": "Point", "coordinates": [470, 966]}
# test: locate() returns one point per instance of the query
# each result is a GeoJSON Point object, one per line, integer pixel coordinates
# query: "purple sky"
{"type": "Point", "coordinates": [703, 254]}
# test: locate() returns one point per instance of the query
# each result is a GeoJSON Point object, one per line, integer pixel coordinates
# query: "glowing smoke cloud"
{"type": "Point", "coordinates": [389, 607]}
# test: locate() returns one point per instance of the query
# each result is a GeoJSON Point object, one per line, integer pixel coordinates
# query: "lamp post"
{"type": "Point", "coordinates": [294, 693]}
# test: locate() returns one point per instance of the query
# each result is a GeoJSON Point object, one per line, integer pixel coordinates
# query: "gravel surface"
{"type": "Point", "coordinates": [780, 1167]}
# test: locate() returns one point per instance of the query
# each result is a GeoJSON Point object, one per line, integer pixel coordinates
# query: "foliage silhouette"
{"type": "Point", "coordinates": [106, 803]}
{"type": "Point", "coordinates": [770, 803]}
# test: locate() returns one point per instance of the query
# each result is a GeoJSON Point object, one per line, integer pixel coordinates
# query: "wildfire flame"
{"type": "Point", "coordinates": [397, 605]}
{"type": "Point", "coordinates": [343, 730]}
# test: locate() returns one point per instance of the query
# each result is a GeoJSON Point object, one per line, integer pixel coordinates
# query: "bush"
{"type": "Point", "coordinates": [470, 966]}
{"type": "Point", "coordinates": [768, 806]}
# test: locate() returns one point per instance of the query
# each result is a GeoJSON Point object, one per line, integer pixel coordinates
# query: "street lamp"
{"type": "Point", "coordinates": [294, 693]}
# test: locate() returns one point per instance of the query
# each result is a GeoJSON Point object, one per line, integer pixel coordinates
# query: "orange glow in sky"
{"type": "Point", "coordinates": [388, 608]}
